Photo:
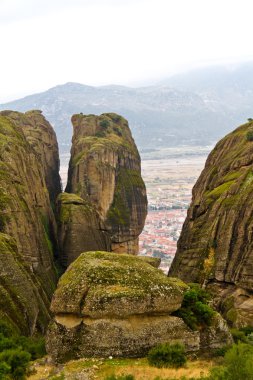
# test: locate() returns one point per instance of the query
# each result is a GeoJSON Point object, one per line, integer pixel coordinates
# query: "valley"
{"type": "Point", "coordinates": [169, 175]}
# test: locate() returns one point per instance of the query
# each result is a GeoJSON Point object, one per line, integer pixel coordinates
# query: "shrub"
{"type": "Point", "coordinates": [195, 310]}
{"type": "Point", "coordinates": [5, 369]}
{"type": "Point", "coordinates": [17, 360]}
{"type": "Point", "coordinates": [121, 377]}
{"type": "Point", "coordinates": [100, 134]}
{"type": "Point", "coordinates": [104, 123]}
{"type": "Point", "coordinates": [237, 365]}
{"type": "Point", "coordinates": [167, 355]}
{"type": "Point", "coordinates": [247, 330]}
{"type": "Point", "coordinates": [249, 135]}
{"type": "Point", "coordinates": [221, 351]}
{"type": "Point", "coordinates": [238, 336]}
{"type": "Point", "coordinates": [16, 352]}
{"type": "Point", "coordinates": [5, 329]}
{"type": "Point", "coordinates": [35, 346]}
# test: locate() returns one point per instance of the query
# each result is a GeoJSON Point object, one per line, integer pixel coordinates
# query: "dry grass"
{"type": "Point", "coordinates": [141, 370]}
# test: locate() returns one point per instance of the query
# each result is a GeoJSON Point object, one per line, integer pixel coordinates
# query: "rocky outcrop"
{"type": "Point", "coordinates": [216, 243]}
{"type": "Point", "coordinates": [26, 220]}
{"type": "Point", "coordinates": [41, 136]}
{"type": "Point", "coordinates": [215, 336]}
{"type": "Point", "coordinates": [109, 304]}
{"type": "Point", "coordinates": [105, 173]}
{"type": "Point", "coordinates": [79, 227]}
{"type": "Point", "coordinates": [23, 302]}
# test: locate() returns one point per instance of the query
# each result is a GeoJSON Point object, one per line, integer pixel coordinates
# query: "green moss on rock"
{"type": "Point", "coordinates": [103, 283]}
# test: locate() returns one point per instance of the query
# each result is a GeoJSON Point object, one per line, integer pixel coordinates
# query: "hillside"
{"type": "Point", "coordinates": [195, 108]}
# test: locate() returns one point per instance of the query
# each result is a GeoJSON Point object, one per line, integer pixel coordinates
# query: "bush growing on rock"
{"type": "Point", "coordinates": [167, 355]}
{"type": "Point", "coordinates": [195, 310]}
{"type": "Point", "coordinates": [249, 135]}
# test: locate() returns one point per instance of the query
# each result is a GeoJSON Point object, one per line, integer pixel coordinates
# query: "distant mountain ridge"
{"type": "Point", "coordinates": [195, 108]}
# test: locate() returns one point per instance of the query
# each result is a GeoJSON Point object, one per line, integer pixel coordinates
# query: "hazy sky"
{"type": "Point", "coordinates": [50, 42]}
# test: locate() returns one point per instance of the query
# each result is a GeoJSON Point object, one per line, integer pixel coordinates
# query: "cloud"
{"type": "Point", "coordinates": [18, 10]}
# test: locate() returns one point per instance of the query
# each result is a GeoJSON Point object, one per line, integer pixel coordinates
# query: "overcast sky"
{"type": "Point", "coordinates": [96, 42]}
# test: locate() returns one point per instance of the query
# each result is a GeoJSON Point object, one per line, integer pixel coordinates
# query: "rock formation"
{"type": "Point", "coordinates": [216, 243]}
{"type": "Point", "coordinates": [105, 174]}
{"type": "Point", "coordinates": [109, 304]}
{"type": "Point", "coordinates": [28, 155]}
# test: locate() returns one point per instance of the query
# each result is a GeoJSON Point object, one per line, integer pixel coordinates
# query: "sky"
{"type": "Point", "coordinates": [130, 42]}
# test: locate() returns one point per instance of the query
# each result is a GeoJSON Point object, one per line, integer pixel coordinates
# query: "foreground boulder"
{"type": "Point", "coordinates": [216, 244]}
{"type": "Point", "coordinates": [105, 172]}
{"type": "Point", "coordinates": [109, 304]}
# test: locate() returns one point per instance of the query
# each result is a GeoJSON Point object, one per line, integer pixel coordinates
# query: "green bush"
{"type": "Point", "coordinates": [167, 355]}
{"type": "Point", "coordinates": [17, 360]}
{"type": "Point", "coordinates": [195, 310]}
{"type": "Point", "coordinates": [5, 369]}
{"type": "Point", "coordinates": [104, 123]}
{"type": "Point", "coordinates": [5, 329]}
{"type": "Point", "coordinates": [247, 330]}
{"type": "Point", "coordinates": [238, 336]}
{"type": "Point", "coordinates": [221, 351]}
{"type": "Point", "coordinates": [100, 134]}
{"type": "Point", "coordinates": [121, 377]}
{"type": "Point", "coordinates": [249, 135]}
{"type": "Point", "coordinates": [238, 364]}
{"type": "Point", "coordinates": [16, 352]}
{"type": "Point", "coordinates": [35, 346]}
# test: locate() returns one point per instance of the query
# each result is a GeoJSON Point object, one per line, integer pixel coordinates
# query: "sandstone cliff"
{"type": "Point", "coordinates": [216, 243]}
{"type": "Point", "coordinates": [27, 150]}
{"type": "Point", "coordinates": [105, 173]}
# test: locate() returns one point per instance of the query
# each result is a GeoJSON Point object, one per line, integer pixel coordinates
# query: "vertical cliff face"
{"type": "Point", "coordinates": [42, 138]}
{"type": "Point", "coordinates": [105, 173]}
{"type": "Point", "coordinates": [27, 221]}
{"type": "Point", "coordinates": [216, 243]}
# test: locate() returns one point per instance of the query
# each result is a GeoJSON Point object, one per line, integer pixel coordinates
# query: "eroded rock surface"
{"type": "Point", "coordinates": [27, 218]}
{"type": "Point", "coordinates": [109, 304]}
{"type": "Point", "coordinates": [105, 172]}
{"type": "Point", "coordinates": [216, 243]}
{"type": "Point", "coordinates": [79, 227]}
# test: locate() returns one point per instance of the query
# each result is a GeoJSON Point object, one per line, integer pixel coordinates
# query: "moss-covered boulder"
{"type": "Point", "coordinates": [111, 304]}
{"type": "Point", "coordinates": [105, 171]}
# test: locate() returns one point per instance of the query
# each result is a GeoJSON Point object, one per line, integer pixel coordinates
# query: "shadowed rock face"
{"type": "Point", "coordinates": [216, 243]}
{"type": "Point", "coordinates": [26, 219]}
{"type": "Point", "coordinates": [79, 228]}
{"type": "Point", "coordinates": [105, 172]}
{"type": "Point", "coordinates": [105, 304]}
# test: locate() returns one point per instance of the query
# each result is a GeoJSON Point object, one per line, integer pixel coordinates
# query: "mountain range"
{"type": "Point", "coordinates": [194, 108]}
